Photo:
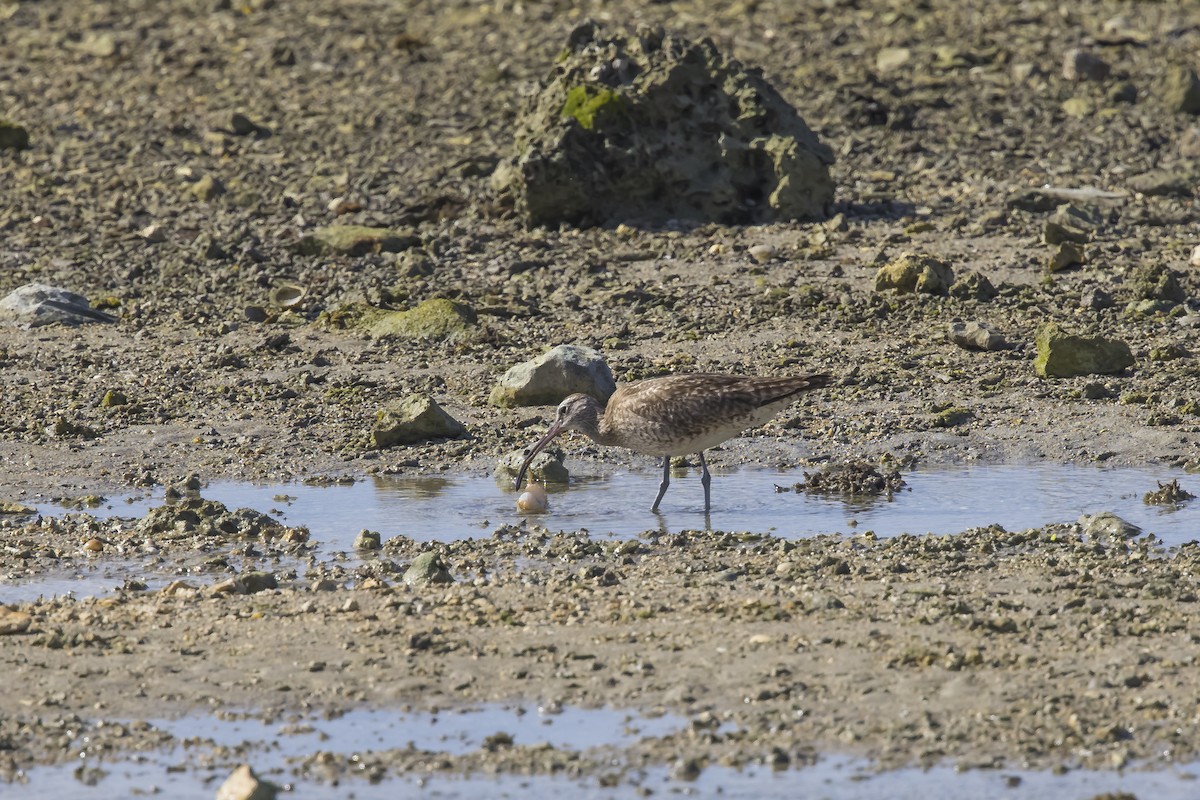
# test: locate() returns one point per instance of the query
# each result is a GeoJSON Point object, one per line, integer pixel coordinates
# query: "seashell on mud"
{"type": "Point", "coordinates": [533, 498]}
{"type": "Point", "coordinates": [287, 295]}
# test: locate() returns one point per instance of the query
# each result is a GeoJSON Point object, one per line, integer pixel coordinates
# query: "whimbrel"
{"type": "Point", "coordinates": [676, 415]}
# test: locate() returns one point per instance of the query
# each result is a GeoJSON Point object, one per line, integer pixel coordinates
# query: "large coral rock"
{"type": "Point", "coordinates": [657, 127]}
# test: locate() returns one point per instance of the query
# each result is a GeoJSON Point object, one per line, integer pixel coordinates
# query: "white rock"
{"type": "Point", "coordinates": [762, 253]}
{"type": "Point", "coordinates": [1195, 260]}
{"type": "Point", "coordinates": [559, 372]}
{"type": "Point", "coordinates": [37, 304]}
{"type": "Point", "coordinates": [243, 784]}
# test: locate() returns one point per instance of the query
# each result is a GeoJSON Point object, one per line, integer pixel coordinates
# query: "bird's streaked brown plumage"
{"type": "Point", "coordinates": [677, 415]}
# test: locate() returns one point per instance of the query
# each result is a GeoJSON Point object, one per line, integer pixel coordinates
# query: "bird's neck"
{"type": "Point", "coordinates": [595, 425]}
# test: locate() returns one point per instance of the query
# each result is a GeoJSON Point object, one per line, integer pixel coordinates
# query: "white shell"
{"type": "Point", "coordinates": [533, 498]}
{"type": "Point", "coordinates": [1196, 256]}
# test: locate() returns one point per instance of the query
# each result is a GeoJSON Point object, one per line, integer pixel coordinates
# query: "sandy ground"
{"type": "Point", "coordinates": [1047, 648]}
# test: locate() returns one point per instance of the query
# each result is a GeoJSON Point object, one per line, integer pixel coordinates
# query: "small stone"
{"type": "Point", "coordinates": [915, 272]}
{"type": "Point", "coordinates": [344, 205]}
{"type": "Point", "coordinates": [17, 509]}
{"type": "Point", "coordinates": [889, 59]}
{"type": "Point", "coordinates": [1056, 233]}
{"type": "Point", "coordinates": [13, 136]}
{"type": "Point", "coordinates": [1080, 65]}
{"type": "Point", "coordinates": [367, 540]}
{"type": "Point", "coordinates": [546, 380]}
{"type": "Point", "coordinates": [427, 568]}
{"type": "Point", "coordinates": [207, 188]}
{"type": "Point", "coordinates": [243, 784]}
{"type": "Point", "coordinates": [1096, 299]}
{"type": "Point", "coordinates": [1077, 107]}
{"type": "Point", "coordinates": [1095, 390]}
{"type": "Point", "coordinates": [178, 587]}
{"type": "Point", "coordinates": [1158, 282]}
{"type": "Point", "coordinates": [153, 233]}
{"type": "Point", "coordinates": [1189, 142]}
{"type": "Point", "coordinates": [254, 313]}
{"type": "Point", "coordinates": [1195, 259]}
{"type": "Point", "coordinates": [356, 240]}
{"type": "Point", "coordinates": [1109, 525]}
{"type": "Point", "coordinates": [1063, 355]}
{"type": "Point", "coordinates": [547, 466]}
{"type": "Point", "coordinates": [438, 318]}
{"type": "Point", "coordinates": [94, 545]}
{"type": "Point", "coordinates": [416, 418]}
{"type": "Point", "coordinates": [12, 621]}
{"type": "Point", "coordinates": [1067, 254]}
{"type": "Point", "coordinates": [241, 125]}
{"type": "Point", "coordinates": [1123, 92]}
{"type": "Point", "coordinates": [1180, 90]}
{"type": "Point", "coordinates": [761, 253]}
{"type": "Point", "coordinates": [686, 769]}
{"type": "Point", "coordinates": [975, 336]}
{"type": "Point", "coordinates": [973, 285]}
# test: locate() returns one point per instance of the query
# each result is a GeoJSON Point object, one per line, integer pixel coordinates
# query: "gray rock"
{"type": "Point", "coordinates": [356, 240]}
{"type": "Point", "coordinates": [654, 127]}
{"type": "Point", "coordinates": [1069, 215]}
{"type": "Point", "coordinates": [243, 784]}
{"type": "Point", "coordinates": [1108, 525]}
{"type": "Point", "coordinates": [561, 371]}
{"type": "Point", "coordinates": [1063, 355]}
{"type": "Point", "coordinates": [1080, 65]}
{"type": "Point", "coordinates": [427, 568]}
{"type": "Point", "coordinates": [367, 540]}
{"type": "Point", "coordinates": [915, 272]}
{"type": "Point", "coordinates": [416, 418]}
{"type": "Point", "coordinates": [1056, 233]}
{"type": "Point", "coordinates": [36, 304]}
{"type": "Point", "coordinates": [1065, 256]}
{"type": "Point", "coordinates": [246, 583]}
{"type": "Point", "coordinates": [1180, 90]}
{"type": "Point", "coordinates": [1096, 299]}
{"type": "Point", "coordinates": [975, 336]}
{"type": "Point", "coordinates": [1160, 183]}
{"type": "Point", "coordinates": [547, 466]}
{"type": "Point", "coordinates": [973, 285]}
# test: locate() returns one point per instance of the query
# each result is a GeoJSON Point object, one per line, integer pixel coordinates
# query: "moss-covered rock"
{"type": "Point", "coordinates": [1158, 282]}
{"type": "Point", "coordinates": [427, 568]}
{"type": "Point", "coordinates": [1063, 355]}
{"type": "Point", "coordinates": [434, 319]}
{"type": "Point", "coordinates": [1180, 90]}
{"type": "Point", "coordinates": [654, 127]}
{"type": "Point", "coordinates": [915, 272]}
{"type": "Point", "coordinates": [416, 418]}
{"type": "Point", "coordinates": [13, 136]}
{"type": "Point", "coordinates": [356, 240]}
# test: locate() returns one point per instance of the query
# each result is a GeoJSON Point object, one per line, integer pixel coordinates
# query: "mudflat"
{"type": "Point", "coordinates": [179, 157]}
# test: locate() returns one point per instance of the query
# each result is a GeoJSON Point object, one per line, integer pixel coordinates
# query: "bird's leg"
{"type": "Point", "coordinates": [666, 481]}
{"type": "Point", "coordinates": [705, 481]}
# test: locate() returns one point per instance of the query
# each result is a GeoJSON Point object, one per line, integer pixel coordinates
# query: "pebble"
{"type": "Point", "coordinates": [1067, 254]}
{"type": "Point", "coordinates": [416, 418]}
{"type": "Point", "coordinates": [153, 233]}
{"type": "Point", "coordinates": [1195, 259]}
{"type": "Point", "coordinates": [761, 253]}
{"type": "Point", "coordinates": [975, 336]}
{"type": "Point", "coordinates": [1080, 65]}
{"type": "Point", "coordinates": [243, 784]}
{"type": "Point", "coordinates": [549, 378]}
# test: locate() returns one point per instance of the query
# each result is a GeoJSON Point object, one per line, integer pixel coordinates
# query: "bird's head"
{"type": "Point", "coordinates": [578, 412]}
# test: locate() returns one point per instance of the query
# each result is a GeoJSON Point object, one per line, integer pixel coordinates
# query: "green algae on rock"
{"type": "Point", "coordinates": [655, 127]}
{"type": "Point", "coordinates": [1064, 355]}
{"type": "Point", "coordinates": [356, 240]}
{"type": "Point", "coordinates": [416, 418]}
{"type": "Point", "coordinates": [438, 318]}
{"type": "Point", "coordinates": [915, 272]}
{"type": "Point", "coordinates": [427, 568]}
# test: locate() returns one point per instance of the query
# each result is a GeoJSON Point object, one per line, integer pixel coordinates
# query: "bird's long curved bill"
{"type": "Point", "coordinates": [555, 430]}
